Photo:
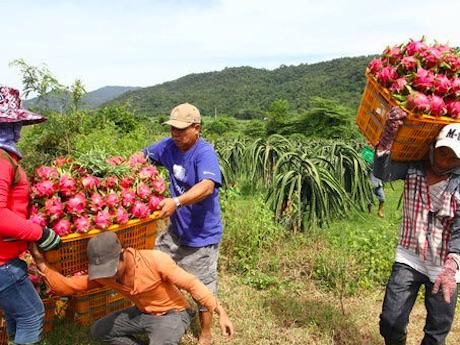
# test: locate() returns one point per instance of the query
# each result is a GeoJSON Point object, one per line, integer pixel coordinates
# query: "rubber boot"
{"type": "Point", "coordinates": [380, 210]}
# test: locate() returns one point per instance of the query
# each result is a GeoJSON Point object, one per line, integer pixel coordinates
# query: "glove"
{"type": "Point", "coordinates": [446, 279]}
{"type": "Point", "coordinates": [49, 240]}
{"type": "Point", "coordinates": [395, 119]}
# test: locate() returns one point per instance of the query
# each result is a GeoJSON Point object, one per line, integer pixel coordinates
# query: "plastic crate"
{"type": "Point", "coordinates": [71, 257]}
{"type": "Point", "coordinates": [50, 307]}
{"type": "Point", "coordinates": [90, 306]}
{"type": "Point", "coordinates": [415, 135]}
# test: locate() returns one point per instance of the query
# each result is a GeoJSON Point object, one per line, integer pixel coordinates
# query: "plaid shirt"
{"type": "Point", "coordinates": [424, 228]}
{"type": "Point", "coordinates": [425, 232]}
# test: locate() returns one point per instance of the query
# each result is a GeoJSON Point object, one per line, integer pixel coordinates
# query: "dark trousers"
{"type": "Point", "coordinates": [400, 295]}
{"type": "Point", "coordinates": [122, 326]}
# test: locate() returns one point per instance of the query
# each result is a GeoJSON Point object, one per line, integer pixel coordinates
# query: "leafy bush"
{"type": "Point", "coordinates": [248, 229]}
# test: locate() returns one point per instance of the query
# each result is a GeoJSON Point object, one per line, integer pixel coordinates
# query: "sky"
{"type": "Point", "coordinates": [144, 43]}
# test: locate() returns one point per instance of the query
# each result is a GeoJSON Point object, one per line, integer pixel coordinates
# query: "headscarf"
{"type": "Point", "coordinates": [9, 137]}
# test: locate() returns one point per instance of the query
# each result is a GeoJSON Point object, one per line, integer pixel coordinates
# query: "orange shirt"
{"type": "Point", "coordinates": [157, 280]}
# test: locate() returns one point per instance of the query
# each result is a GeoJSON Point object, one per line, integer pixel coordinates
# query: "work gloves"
{"type": "Point", "coordinates": [446, 279]}
{"type": "Point", "coordinates": [49, 240]}
{"type": "Point", "coordinates": [394, 120]}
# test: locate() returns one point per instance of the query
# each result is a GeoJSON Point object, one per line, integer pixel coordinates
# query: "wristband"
{"type": "Point", "coordinates": [178, 203]}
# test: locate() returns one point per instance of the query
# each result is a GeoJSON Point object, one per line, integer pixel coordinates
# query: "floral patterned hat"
{"type": "Point", "coordinates": [11, 111]}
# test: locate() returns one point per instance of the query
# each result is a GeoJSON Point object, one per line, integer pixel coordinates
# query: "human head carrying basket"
{"type": "Point", "coordinates": [413, 138]}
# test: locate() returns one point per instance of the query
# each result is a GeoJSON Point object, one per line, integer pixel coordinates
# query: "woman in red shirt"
{"type": "Point", "coordinates": [21, 306]}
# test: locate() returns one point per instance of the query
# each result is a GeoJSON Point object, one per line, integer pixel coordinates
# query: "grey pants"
{"type": "Point", "coordinates": [121, 327]}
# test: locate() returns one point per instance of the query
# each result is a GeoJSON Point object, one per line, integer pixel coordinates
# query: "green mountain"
{"type": "Point", "coordinates": [247, 92]}
{"type": "Point", "coordinates": [93, 99]}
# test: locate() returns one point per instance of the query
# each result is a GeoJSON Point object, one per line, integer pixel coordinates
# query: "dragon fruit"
{"type": "Point", "coordinates": [54, 208]}
{"type": "Point", "coordinates": [90, 182]}
{"type": "Point", "coordinates": [140, 210]}
{"type": "Point", "coordinates": [144, 191]}
{"type": "Point", "coordinates": [67, 185]}
{"type": "Point", "coordinates": [62, 227]}
{"type": "Point", "coordinates": [112, 200]}
{"type": "Point", "coordinates": [83, 224]}
{"type": "Point", "coordinates": [121, 216]}
{"type": "Point", "coordinates": [424, 78]}
{"type": "Point", "coordinates": [44, 189]}
{"type": "Point", "coordinates": [70, 197]}
{"type": "Point", "coordinates": [103, 219]}
{"type": "Point", "coordinates": [76, 204]}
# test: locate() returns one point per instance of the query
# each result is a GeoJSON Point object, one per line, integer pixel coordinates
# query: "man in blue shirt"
{"type": "Point", "coordinates": [195, 231]}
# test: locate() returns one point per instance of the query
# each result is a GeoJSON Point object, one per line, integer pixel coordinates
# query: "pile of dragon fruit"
{"type": "Point", "coordinates": [67, 197]}
{"type": "Point", "coordinates": [423, 77]}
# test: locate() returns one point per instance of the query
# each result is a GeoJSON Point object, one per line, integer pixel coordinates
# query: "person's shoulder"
{"type": "Point", "coordinates": [205, 146]}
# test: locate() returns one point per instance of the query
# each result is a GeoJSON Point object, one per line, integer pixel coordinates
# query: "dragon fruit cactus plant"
{"type": "Point", "coordinates": [74, 196]}
{"type": "Point", "coordinates": [424, 78]}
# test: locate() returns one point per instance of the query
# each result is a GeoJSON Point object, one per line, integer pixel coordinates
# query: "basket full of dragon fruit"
{"type": "Point", "coordinates": [421, 78]}
{"type": "Point", "coordinates": [79, 198]}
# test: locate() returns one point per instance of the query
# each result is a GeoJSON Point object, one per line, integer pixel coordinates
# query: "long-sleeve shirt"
{"type": "Point", "coordinates": [157, 280]}
{"type": "Point", "coordinates": [14, 202]}
{"type": "Point", "coordinates": [430, 229]}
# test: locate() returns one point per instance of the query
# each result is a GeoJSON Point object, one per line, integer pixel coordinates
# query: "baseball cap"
{"type": "Point", "coordinates": [449, 136]}
{"type": "Point", "coordinates": [183, 115]}
{"type": "Point", "coordinates": [103, 253]}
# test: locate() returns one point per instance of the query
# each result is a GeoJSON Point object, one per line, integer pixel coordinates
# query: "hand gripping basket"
{"type": "Point", "coordinates": [414, 136]}
{"type": "Point", "coordinates": [71, 258]}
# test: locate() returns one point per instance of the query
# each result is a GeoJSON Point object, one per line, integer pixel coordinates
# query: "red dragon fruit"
{"type": "Point", "coordinates": [148, 173]}
{"type": "Point", "coordinates": [62, 227]}
{"type": "Point", "coordinates": [375, 65]}
{"type": "Point", "coordinates": [143, 191]}
{"type": "Point", "coordinates": [441, 84]}
{"type": "Point", "coordinates": [453, 108]}
{"type": "Point", "coordinates": [76, 204]}
{"type": "Point", "coordinates": [54, 208]}
{"type": "Point", "coordinates": [115, 160]}
{"type": "Point", "coordinates": [418, 102]}
{"type": "Point", "coordinates": [103, 219]}
{"type": "Point", "coordinates": [83, 224]}
{"type": "Point", "coordinates": [137, 159]}
{"type": "Point", "coordinates": [90, 182]}
{"type": "Point", "coordinates": [112, 200]}
{"type": "Point", "coordinates": [387, 75]}
{"type": "Point", "coordinates": [154, 202]}
{"type": "Point", "coordinates": [140, 210]}
{"type": "Point", "coordinates": [126, 182]}
{"type": "Point", "coordinates": [409, 63]}
{"type": "Point", "coordinates": [38, 218]}
{"type": "Point", "coordinates": [423, 80]}
{"type": "Point", "coordinates": [110, 182]}
{"type": "Point", "coordinates": [121, 216]}
{"type": "Point", "coordinates": [44, 189]}
{"type": "Point", "coordinates": [399, 85]}
{"type": "Point", "coordinates": [46, 173]}
{"type": "Point", "coordinates": [128, 198]}
{"type": "Point", "coordinates": [67, 185]}
{"type": "Point", "coordinates": [159, 186]}
{"type": "Point", "coordinates": [97, 202]}
{"type": "Point", "coordinates": [437, 105]}
{"type": "Point", "coordinates": [416, 47]}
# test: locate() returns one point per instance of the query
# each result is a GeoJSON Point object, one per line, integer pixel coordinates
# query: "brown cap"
{"type": "Point", "coordinates": [184, 115]}
{"type": "Point", "coordinates": [103, 253]}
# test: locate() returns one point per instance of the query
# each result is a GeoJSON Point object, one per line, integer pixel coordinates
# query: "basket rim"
{"type": "Point", "coordinates": [78, 236]}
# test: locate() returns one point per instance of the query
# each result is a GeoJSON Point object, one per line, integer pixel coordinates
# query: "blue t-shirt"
{"type": "Point", "coordinates": [200, 224]}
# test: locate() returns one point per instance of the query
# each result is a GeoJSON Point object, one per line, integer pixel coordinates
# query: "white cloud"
{"type": "Point", "coordinates": [143, 43]}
